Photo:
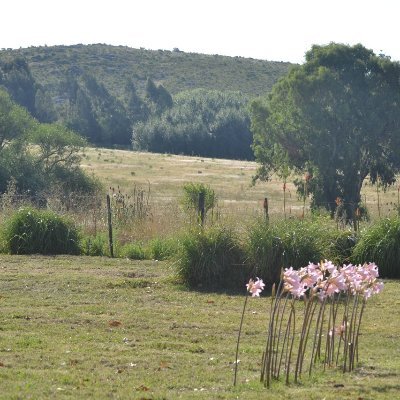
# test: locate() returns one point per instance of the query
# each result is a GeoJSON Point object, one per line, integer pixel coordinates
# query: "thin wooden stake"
{"type": "Point", "coordinates": [110, 233]}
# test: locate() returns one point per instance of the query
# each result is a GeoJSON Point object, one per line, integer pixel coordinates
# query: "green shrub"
{"type": "Point", "coordinates": [339, 246]}
{"type": "Point", "coordinates": [212, 259]}
{"type": "Point", "coordinates": [163, 249]}
{"type": "Point", "coordinates": [191, 193]}
{"type": "Point", "coordinates": [95, 245]}
{"type": "Point", "coordinates": [32, 231]}
{"type": "Point", "coordinates": [303, 241]}
{"type": "Point", "coordinates": [287, 243]}
{"type": "Point", "coordinates": [380, 243]}
{"type": "Point", "coordinates": [133, 251]}
{"type": "Point", "coordinates": [265, 250]}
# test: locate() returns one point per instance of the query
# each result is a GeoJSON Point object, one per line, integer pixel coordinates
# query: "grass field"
{"type": "Point", "coordinates": [165, 174]}
{"type": "Point", "coordinates": [80, 327]}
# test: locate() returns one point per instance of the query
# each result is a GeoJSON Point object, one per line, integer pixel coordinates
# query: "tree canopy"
{"type": "Point", "coordinates": [336, 118]}
{"type": "Point", "coordinates": [201, 122]}
{"type": "Point", "coordinates": [38, 157]}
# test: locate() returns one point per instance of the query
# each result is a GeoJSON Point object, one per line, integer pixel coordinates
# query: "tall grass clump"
{"type": "Point", "coordinates": [133, 251]}
{"type": "Point", "coordinates": [287, 243]}
{"type": "Point", "coordinates": [380, 243]}
{"type": "Point", "coordinates": [95, 245]}
{"type": "Point", "coordinates": [32, 231]}
{"type": "Point", "coordinates": [163, 248]}
{"type": "Point", "coordinates": [340, 245]}
{"type": "Point", "coordinates": [212, 258]}
{"type": "Point", "coordinates": [265, 249]}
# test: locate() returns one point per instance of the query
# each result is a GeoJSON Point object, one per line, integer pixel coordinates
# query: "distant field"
{"type": "Point", "coordinates": [165, 175]}
{"type": "Point", "coordinates": [99, 328]}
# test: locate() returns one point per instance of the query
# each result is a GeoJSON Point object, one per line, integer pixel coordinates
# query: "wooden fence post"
{"type": "Point", "coordinates": [266, 209]}
{"type": "Point", "coordinates": [110, 235]}
{"type": "Point", "coordinates": [202, 204]}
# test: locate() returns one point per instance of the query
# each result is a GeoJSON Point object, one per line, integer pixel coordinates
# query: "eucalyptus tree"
{"type": "Point", "coordinates": [335, 119]}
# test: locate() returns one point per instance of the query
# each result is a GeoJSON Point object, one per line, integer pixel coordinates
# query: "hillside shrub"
{"type": "Point", "coordinates": [380, 243]}
{"type": "Point", "coordinates": [212, 259]}
{"type": "Point", "coordinates": [32, 231]}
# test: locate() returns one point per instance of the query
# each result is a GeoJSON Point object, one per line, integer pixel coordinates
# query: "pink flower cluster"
{"type": "Point", "coordinates": [326, 279]}
{"type": "Point", "coordinates": [255, 287]}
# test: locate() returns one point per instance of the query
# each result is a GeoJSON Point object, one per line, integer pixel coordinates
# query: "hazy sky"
{"type": "Point", "coordinates": [278, 30]}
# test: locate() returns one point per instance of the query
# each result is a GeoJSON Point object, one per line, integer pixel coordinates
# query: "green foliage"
{"type": "Point", "coordinates": [31, 231]}
{"type": "Point", "coordinates": [97, 114]}
{"type": "Point", "coordinates": [15, 121]}
{"type": "Point", "coordinates": [287, 243]}
{"type": "Point", "coordinates": [96, 245]}
{"type": "Point", "coordinates": [136, 108]}
{"type": "Point", "coordinates": [295, 243]}
{"type": "Point", "coordinates": [54, 162]}
{"type": "Point", "coordinates": [16, 77]}
{"type": "Point", "coordinates": [158, 96]}
{"type": "Point", "coordinates": [202, 122]}
{"type": "Point", "coordinates": [265, 251]}
{"type": "Point", "coordinates": [212, 259]}
{"type": "Point", "coordinates": [133, 251]}
{"type": "Point", "coordinates": [104, 112]}
{"type": "Point", "coordinates": [176, 71]}
{"type": "Point", "coordinates": [192, 192]}
{"type": "Point", "coordinates": [163, 248]}
{"type": "Point", "coordinates": [57, 146]}
{"type": "Point", "coordinates": [59, 85]}
{"type": "Point", "coordinates": [337, 118]}
{"type": "Point", "coordinates": [339, 246]}
{"type": "Point", "coordinates": [379, 243]}
{"type": "Point", "coordinates": [44, 108]}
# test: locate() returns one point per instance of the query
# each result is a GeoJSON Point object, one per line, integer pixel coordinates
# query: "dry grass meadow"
{"type": "Point", "coordinates": [162, 176]}
{"type": "Point", "coordinates": [102, 328]}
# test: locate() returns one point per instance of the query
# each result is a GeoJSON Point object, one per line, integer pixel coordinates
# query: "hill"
{"type": "Point", "coordinates": [177, 71]}
{"type": "Point", "coordinates": [156, 100]}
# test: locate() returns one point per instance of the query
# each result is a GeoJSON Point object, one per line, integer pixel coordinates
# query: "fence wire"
{"type": "Point", "coordinates": [140, 207]}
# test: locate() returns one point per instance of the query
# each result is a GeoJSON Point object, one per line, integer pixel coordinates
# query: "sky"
{"type": "Point", "coordinates": [274, 30]}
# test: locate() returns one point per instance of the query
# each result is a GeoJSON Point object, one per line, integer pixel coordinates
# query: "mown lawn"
{"type": "Point", "coordinates": [80, 327]}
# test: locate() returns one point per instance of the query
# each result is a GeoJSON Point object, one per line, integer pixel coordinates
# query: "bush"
{"type": "Point", "coordinates": [31, 231]}
{"type": "Point", "coordinates": [340, 246]}
{"type": "Point", "coordinates": [288, 243]}
{"type": "Point", "coordinates": [265, 250]}
{"type": "Point", "coordinates": [212, 259]}
{"type": "Point", "coordinates": [95, 245]}
{"type": "Point", "coordinates": [163, 249]}
{"type": "Point", "coordinates": [192, 193]}
{"type": "Point", "coordinates": [133, 251]}
{"type": "Point", "coordinates": [380, 243]}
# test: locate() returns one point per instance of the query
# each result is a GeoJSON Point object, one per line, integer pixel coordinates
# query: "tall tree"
{"type": "Point", "coordinates": [336, 117]}
{"type": "Point", "coordinates": [137, 109]}
{"type": "Point", "coordinates": [17, 78]}
{"type": "Point", "coordinates": [45, 110]}
{"type": "Point", "coordinates": [15, 121]}
{"type": "Point", "coordinates": [202, 122]}
{"type": "Point", "coordinates": [158, 96]}
{"type": "Point", "coordinates": [52, 163]}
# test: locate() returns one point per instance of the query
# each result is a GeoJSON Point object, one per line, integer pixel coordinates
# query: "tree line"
{"type": "Point", "coordinates": [197, 122]}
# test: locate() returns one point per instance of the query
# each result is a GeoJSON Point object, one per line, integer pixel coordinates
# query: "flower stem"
{"type": "Point", "coordinates": [238, 340]}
